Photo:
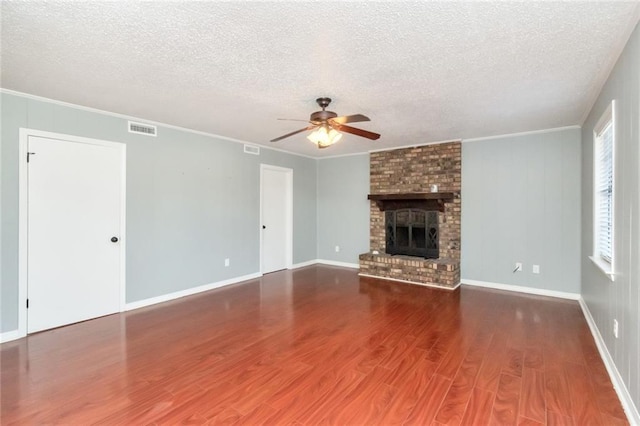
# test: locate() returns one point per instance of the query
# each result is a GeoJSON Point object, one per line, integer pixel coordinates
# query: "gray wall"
{"type": "Point", "coordinates": [192, 200]}
{"type": "Point", "coordinates": [343, 208]}
{"type": "Point", "coordinates": [521, 203]}
{"type": "Point", "coordinates": [620, 299]}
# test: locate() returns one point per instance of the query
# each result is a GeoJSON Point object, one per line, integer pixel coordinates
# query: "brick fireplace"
{"type": "Point", "coordinates": [403, 180]}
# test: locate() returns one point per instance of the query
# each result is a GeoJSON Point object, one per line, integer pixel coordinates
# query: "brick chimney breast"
{"type": "Point", "coordinates": [415, 170]}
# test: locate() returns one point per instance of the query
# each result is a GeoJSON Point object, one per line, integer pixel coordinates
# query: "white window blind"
{"type": "Point", "coordinates": [603, 196]}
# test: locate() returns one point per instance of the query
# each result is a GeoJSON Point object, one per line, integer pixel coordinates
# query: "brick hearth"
{"type": "Point", "coordinates": [413, 170]}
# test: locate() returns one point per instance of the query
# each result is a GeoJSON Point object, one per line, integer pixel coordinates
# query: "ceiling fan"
{"type": "Point", "coordinates": [327, 126]}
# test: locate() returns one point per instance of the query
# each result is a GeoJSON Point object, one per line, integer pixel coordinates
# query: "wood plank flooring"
{"type": "Point", "coordinates": [317, 345]}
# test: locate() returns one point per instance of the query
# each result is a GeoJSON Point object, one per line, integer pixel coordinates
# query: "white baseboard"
{"type": "Point", "coordinates": [522, 289]}
{"type": "Point", "coordinates": [337, 263]}
{"type": "Point", "coordinates": [8, 336]}
{"type": "Point", "coordinates": [15, 334]}
{"type": "Point", "coordinates": [189, 292]}
{"type": "Point", "coordinates": [618, 384]}
{"type": "Point", "coordinates": [410, 282]}
{"type": "Point", "coordinates": [303, 264]}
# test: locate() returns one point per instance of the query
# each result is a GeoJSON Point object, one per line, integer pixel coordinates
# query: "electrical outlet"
{"type": "Point", "coordinates": [226, 262]}
{"type": "Point", "coordinates": [615, 328]}
{"type": "Point", "coordinates": [337, 249]}
{"type": "Point", "coordinates": [536, 269]}
{"type": "Point", "coordinates": [518, 267]}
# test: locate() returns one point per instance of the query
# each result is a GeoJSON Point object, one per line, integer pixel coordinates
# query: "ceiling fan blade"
{"type": "Point", "coordinates": [349, 119]}
{"type": "Point", "coordinates": [357, 132]}
{"type": "Point", "coordinates": [292, 119]}
{"type": "Point", "coordinates": [292, 133]}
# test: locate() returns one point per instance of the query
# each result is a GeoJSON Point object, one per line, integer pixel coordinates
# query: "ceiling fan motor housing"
{"type": "Point", "coordinates": [322, 116]}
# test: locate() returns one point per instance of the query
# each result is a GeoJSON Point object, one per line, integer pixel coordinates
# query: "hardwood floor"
{"type": "Point", "coordinates": [317, 345]}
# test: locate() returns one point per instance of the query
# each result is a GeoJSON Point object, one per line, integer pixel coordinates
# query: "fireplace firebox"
{"type": "Point", "coordinates": [412, 232]}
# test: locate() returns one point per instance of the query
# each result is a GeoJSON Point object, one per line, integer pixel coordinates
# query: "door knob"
{"type": "Point", "coordinates": [264, 227]}
{"type": "Point", "coordinates": [114, 239]}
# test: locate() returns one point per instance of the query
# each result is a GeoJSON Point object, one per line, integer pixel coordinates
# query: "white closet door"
{"type": "Point", "coordinates": [74, 196]}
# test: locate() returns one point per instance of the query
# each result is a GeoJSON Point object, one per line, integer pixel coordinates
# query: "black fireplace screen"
{"type": "Point", "coordinates": [412, 232]}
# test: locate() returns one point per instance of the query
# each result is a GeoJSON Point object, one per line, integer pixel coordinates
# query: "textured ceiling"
{"type": "Point", "coordinates": [422, 71]}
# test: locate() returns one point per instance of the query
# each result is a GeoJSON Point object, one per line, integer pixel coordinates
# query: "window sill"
{"type": "Point", "coordinates": [604, 267]}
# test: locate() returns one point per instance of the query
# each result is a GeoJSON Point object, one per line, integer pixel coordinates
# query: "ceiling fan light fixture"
{"type": "Point", "coordinates": [324, 136]}
{"type": "Point", "coordinates": [324, 124]}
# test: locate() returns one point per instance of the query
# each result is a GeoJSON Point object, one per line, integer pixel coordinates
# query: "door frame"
{"type": "Point", "coordinates": [288, 214]}
{"type": "Point", "coordinates": [23, 215]}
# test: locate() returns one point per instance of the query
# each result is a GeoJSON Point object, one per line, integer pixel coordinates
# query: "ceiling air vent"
{"type": "Point", "coordinates": [142, 129]}
{"type": "Point", "coordinates": [251, 149]}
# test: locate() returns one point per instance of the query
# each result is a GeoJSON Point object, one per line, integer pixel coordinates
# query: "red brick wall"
{"type": "Point", "coordinates": [415, 170]}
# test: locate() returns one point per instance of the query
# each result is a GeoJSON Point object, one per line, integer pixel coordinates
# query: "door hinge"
{"type": "Point", "coordinates": [30, 154]}
{"type": "Point", "coordinates": [27, 303]}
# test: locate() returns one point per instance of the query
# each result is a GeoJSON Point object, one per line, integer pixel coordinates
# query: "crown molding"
{"type": "Point", "coordinates": [145, 121]}
{"type": "Point", "coordinates": [532, 132]}
{"type": "Point", "coordinates": [415, 145]}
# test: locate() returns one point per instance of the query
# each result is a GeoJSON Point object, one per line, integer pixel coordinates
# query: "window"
{"type": "Point", "coordinates": [603, 191]}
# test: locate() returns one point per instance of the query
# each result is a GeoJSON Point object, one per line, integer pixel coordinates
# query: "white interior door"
{"type": "Point", "coordinates": [276, 218]}
{"type": "Point", "coordinates": [74, 211]}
